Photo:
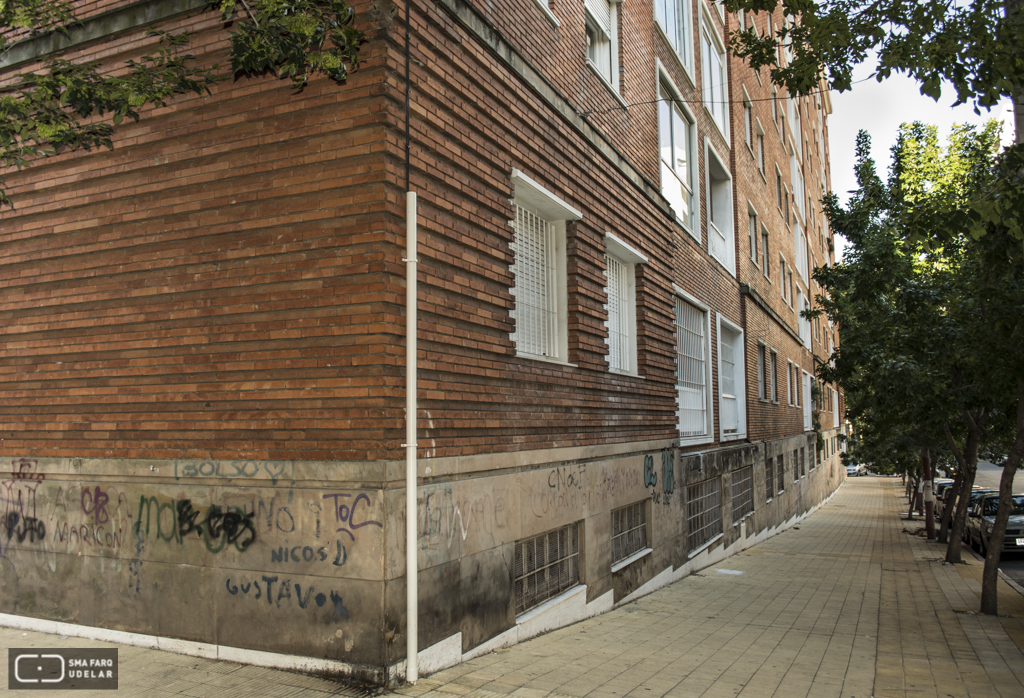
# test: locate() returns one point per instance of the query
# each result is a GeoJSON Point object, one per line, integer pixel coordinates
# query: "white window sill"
{"type": "Point", "coordinates": [631, 559]}
{"type": "Point", "coordinates": [627, 374]}
{"type": "Point", "coordinates": [611, 87]}
{"type": "Point", "coordinates": [547, 12]}
{"type": "Point", "coordinates": [545, 359]}
{"type": "Point", "coordinates": [565, 595]}
{"type": "Point", "coordinates": [704, 547]}
{"type": "Point", "coordinates": [734, 437]}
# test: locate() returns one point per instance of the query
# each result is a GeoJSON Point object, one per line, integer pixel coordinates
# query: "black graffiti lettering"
{"type": "Point", "coordinates": [246, 587]}
{"type": "Point", "coordinates": [342, 557]}
{"type": "Point", "coordinates": [340, 612]}
{"type": "Point", "coordinates": [31, 527]}
{"type": "Point", "coordinates": [269, 581]}
{"type": "Point", "coordinates": [284, 591]}
{"type": "Point", "coordinates": [232, 588]}
{"type": "Point", "coordinates": [303, 600]}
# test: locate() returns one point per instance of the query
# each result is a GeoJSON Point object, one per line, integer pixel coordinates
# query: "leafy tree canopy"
{"type": "Point", "coordinates": [970, 44]}
{"type": "Point", "coordinates": [68, 106]}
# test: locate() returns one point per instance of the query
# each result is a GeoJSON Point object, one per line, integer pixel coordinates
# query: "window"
{"type": "Point", "coordinates": [803, 462]}
{"type": "Point", "coordinates": [803, 324]}
{"type": "Point", "coordinates": [760, 149]}
{"type": "Point", "coordinates": [796, 465]}
{"type": "Point", "coordinates": [620, 277]}
{"type": "Point", "coordinates": [764, 252]}
{"type": "Point", "coordinates": [719, 206]}
{"type": "Point", "coordinates": [796, 386]}
{"type": "Point", "coordinates": [785, 203]}
{"type": "Point", "coordinates": [769, 478]}
{"type": "Point", "coordinates": [629, 530]}
{"type": "Point", "coordinates": [778, 188]}
{"type": "Point", "coordinates": [692, 371]}
{"type": "Point", "coordinates": [783, 287]}
{"type": "Point", "coordinates": [773, 361]}
{"type": "Point", "coordinates": [675, 138]}
{"type": "Point", "coordinates": [539, 270]}
{"type": "Point", "coordinates": [602, 39]}
{"type": "Point", "coordinates": [742, 493]}
{"type": "Point", "coordinates": [762, 373]}
{"type": "Point", "coordinates": [703, 512]}
{"type": "Point", "coordinates": [748, 124]}
{"type": "Point", "coordinates": [730, 380]}
{"type": "Point", "coordinates": [753, 232]}
{"type": "Point", "coordinates": [780, 471]}
{"type": "Point", "coordinates": [546, 566]}
{"type": "Point", "coordinates": [713, 77]}
{"type": "Point", "coordinates": [789, 382]}
{"type": "Point", "coordinates": [674, 18]}
{"type": "Point", "coordinates": [791, 287]}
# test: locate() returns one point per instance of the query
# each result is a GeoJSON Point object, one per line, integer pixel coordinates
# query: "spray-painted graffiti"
{"type": "Point", "coordinates": [349, 515]}
{"type": "Point", "coordinates": [448, 517]}
{"type": "Point", "coordinates": [26, 469]}
{"type": "Point", "coordinates": [20, 518]}
{"type": "Point", "coordinates": [98, 517]}
{"type": "Point", "coordinates": [275, 470]}
{"type": "Point", "coordinates": [283, 592]}
{"type": "Point", "coordinates": [576, 486]}
{"type": "Point", "coordinates": [176, 520]}
{"type": "Point", "coordinates": [650, 477]}
{"type": "Point", "coordinates": [338, 554]}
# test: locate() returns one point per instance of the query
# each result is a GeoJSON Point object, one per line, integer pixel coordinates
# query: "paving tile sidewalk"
{"type": "Point", "coordinates": [851, 602]}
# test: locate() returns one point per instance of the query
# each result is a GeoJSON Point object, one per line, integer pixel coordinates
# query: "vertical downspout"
{"type": "Point", "coordinates": [411, 316]}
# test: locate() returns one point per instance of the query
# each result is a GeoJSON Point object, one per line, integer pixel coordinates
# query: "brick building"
{"type": "Point", "coordinates": [203, 349]}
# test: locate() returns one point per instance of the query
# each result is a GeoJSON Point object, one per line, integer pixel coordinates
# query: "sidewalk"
{"type": "Point", "coordinates": [851, 602]}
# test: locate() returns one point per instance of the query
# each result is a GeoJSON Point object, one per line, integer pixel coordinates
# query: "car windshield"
{"type": "Point", "coordinates": [992, 505]}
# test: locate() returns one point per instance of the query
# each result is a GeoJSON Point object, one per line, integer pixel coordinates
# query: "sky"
{"type": "Point", "coordinates": [880, 108]}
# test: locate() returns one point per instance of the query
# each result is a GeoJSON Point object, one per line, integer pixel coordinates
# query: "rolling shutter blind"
{"type": "Point", "coordinates": [690, 369]}
{"type": "Point", "coordinates": [536, 310]}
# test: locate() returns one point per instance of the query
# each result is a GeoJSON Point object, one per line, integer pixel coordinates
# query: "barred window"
{"type": "Point", "coordinates": [796, 465]}
{"type": "Point", "coordinates": [742, 492]}
{"type": "Point", "coordinates": [803, 462]}
{"type": "Point", "coordinates": [691, 369]}
{"type": "Point", "coordinates": [769, 478]}
{"type": "Point", "coordinates": [536, 286]}
{"type": "Point", "coordinates": [629, 530]}
{"type": "Point", "coordinates": [546, 566]}
{"type": "Point", "coordinates": [780, 471]}
{"type": "Point", "coordinates": [703, 512]}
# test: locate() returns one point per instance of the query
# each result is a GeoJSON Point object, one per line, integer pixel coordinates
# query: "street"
{"type": "Point", "coordinates": [1012, 564]}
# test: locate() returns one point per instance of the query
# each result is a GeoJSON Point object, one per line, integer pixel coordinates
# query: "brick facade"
{"type": "Point", "coordinates": [224, 293]}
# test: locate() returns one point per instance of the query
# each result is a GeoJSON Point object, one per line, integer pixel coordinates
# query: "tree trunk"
{"type": "Point", "coordinates": [968, 462]}
{"type": "Point", "coordinates": [929, 502]}
{"type": "Point", "coordinates": [994, 545]}
{"type": "Point", "coordinates": [950, 502]}
{"type": "Point", "coordinates": [913, 498]}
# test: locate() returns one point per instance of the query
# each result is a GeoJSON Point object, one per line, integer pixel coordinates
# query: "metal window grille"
{"type": "Point", "coordinates": [629, 530]}
{"type": "Point", "coordinates": [546, 566]}
{"type": "Point", "coordinates": [703, 512]}
{"type": "Point", "coordinates": [769, 478]}
{"type": "Point", "coordinates": [803, 462]}
{"type": "Point", "coordinates": [727, 382]}
{"type": "Point", "coordinates": [780, 471]}
{"type": "Point", "coordinates": [617, 276]}
{"type": "Point", "coordinates": [773, 375]}
{"type": "Point", "coordinates": [796, 465]}
{"type": "Point", "coordinates": [536, 284]}
{"type": "Point", "coordinates": [742, 492]}
{"type": "Point", "coordinates": [691, 374]}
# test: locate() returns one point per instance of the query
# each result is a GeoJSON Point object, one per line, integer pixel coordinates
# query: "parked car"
{"type": "Point", "coordinates": [983, 516]}
{"type": "Point", "coordinates": [855, 469]}
{"type": "Point", "coordinates": [976, 494]}
{"type": "Point", "coordinates": [940, 488]}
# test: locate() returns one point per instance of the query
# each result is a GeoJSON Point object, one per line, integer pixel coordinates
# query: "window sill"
{"type": "Point", "coordinates": [548, 13]}
{"type": "Point", "coordinates": [734, 437]}
{"type": "Point", "coordinates": [545, 359]}
{"type": "Point", "coordinates": [696, 440]}
{"type": "Point", "coordinates": [611, 87]}
{"type": "Point", "coordinates": [627, 374]}
{"type": "Point", "coordinates": [705, 546]}
{"type": "Point", "coordinates": [564, 596]}
{"type": "Point", "coordinates": [631, 559]}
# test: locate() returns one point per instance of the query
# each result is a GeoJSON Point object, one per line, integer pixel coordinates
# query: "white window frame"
{"type": "Point", "coordinates": [762, 371]}
{"type": "Point", "coordinates": [789, 382]}
{"type": "Point", "coordinates": [621, 307]}
{"type": "Point", "coordinates": [739, 381]}
{"type": "Point", "coordinates": [766, 252]}
{"type": "Point", "coordinates": [753, 232]}
{"type": "Point", "coordinates": [806, 377]}
{"type": "Point", "coordinates": [602, 21]}
{"type": "Point", "coordinates": [773, 375]}
{"type": "Point", "coordinates": [759, 147]}
{"type": "Point", "coordinates": [803, 324]}
{"type": "Point", "coordinates": [674, 19]}
{"type": "Point", "coordinates": [718, 201]}
{"type": "Point", "coordinates": [709, 411]}
{"type": "Point", "coordinates": [783, 287]}
{"type": "Point", "coordinates": [714, 75]}
{"type": "Point", "coordinates": [678, 187]}
{"type": "Point", "coordinates": [538, 201]}
{"type": "Point", "coordinates": [543, 5]}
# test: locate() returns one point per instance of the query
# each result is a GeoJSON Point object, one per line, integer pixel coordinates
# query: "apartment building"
{"type": "Point", "coordinates": [205, 330]}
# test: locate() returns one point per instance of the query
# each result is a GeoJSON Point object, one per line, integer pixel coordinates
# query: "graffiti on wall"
{"type": "Point", "coordinates": [264, 588]}
{"type": "Point", "coordinates": [175, 521]}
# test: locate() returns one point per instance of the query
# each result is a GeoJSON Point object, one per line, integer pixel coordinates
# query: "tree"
{"type": "Point", "coordinates": [974, 46]}
{"type": "Point", "coordinates": [69, 106]}
{"type": "Point", "coordinates": [929, 312]}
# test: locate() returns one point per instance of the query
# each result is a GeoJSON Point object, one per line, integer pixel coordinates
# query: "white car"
{"type": "Point", "coordinates": [855, 469]}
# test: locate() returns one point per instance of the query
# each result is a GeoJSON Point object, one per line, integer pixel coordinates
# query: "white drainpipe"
{"type": "Point", "coordinates": [411, 559]}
